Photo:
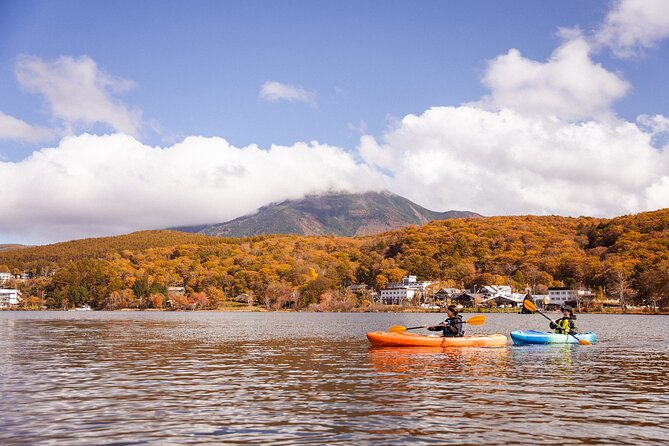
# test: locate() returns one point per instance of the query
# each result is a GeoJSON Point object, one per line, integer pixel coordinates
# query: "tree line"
{"type": "Point", "coordinates": [625, 258]}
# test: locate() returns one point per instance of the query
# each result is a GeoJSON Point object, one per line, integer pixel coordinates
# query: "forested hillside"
{"type": "Point", "coordinates": [623, 257]}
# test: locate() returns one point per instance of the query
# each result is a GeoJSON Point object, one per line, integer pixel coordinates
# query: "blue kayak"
{"type": "Point", "coordinates": [520, 337]}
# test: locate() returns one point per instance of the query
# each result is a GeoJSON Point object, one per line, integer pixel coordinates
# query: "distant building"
{"type": "Point", "coordinates": [492, 291]}
{"type": "Point", "coordinates": [396, 293]}
{"type": "Point", "coordinates": [396, 296]}
{"type": "Point", "coordinates": [176, 291]}
{"type": "Point", "coordinates": [359, 288]}
{"type": "Point", "coordinates": [558, 296]}
{"type": "Point", "coordinates": [5, 276]}
{"type": "Point", "coordinates": [507, 301]}
{"type": "Point", "coordinates": [469, 300]}
{"type": "Point", "coordinates": [445, 295]}
{"type": "Point", "coordinates": [540, 300]}
{"type": "Point", "coordinates": [243, 298]}
{"type": "Point", "coordinates": [9, 297]}
{"type": "Point", "coordinates": [411, 282]}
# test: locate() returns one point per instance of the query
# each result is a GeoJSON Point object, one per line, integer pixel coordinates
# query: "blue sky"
{"type": "Point", "coordinates": [346, 74]}
{"type": "Point", "coordinates": [198, 66]}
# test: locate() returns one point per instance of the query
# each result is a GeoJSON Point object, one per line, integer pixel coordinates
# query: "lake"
{"type": "Point", "coordinates": [132, 378]}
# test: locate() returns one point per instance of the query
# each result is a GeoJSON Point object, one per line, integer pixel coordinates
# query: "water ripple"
{"type": "Point", "coordinates": [218, 378]}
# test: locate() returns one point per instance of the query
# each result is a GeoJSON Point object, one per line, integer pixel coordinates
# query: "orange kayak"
{"type": "Point", "coordinates": [385, 338]}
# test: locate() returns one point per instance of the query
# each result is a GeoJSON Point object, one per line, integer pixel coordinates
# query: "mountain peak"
{"type": "Point", "coordinates": [339, 214]}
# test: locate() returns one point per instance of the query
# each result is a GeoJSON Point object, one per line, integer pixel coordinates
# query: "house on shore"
{"type": "Point", "coordinates": [398, 293]}
{"type": "Point", "coordinates": [508, 301]}
{"type": "Point", "coordinates": [469, 300]}
{"type": "Point", "coordinates": [492, 291]}
{"type": "Point", "coordinates": [558, 296]}
{"type": "Point", "coordinates": [444, 296]}
{"type": "Point", "coordinates": [9, 298]}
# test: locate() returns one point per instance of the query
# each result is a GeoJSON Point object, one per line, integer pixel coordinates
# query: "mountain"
{"type": "Point", "coordinates": [334, 214]}
{"type": "Point", "coordinates": [9, 247]}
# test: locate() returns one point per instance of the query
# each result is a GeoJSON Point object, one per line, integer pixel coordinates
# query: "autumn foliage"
{"type": "Point", "coordinates": [625, 257]}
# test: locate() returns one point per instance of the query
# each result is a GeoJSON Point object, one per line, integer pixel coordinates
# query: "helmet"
{"type": "Point", "coordinates": [566, 308]}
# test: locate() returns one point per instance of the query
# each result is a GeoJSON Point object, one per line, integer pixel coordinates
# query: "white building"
{"type": "Point", "coordinates": [397, 293]}
{"type": "Point", "coordinates": [410, 282]}
{"type": "Point", "coordinates": [4, 277]}
{"type": "Point", "coordinates": [396, 296]}
{"type": "Point", "coordinates": [492, 291]}
{"type": "Point", "coordinates": [563, 295]}
{"type": "Point", "coordinates": [9, 297]}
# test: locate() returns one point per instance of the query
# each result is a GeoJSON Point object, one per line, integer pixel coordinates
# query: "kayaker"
{"type": "Point", "coordinates": [451, 327]}
{"type": "Point", "coordinates": [524, 310]}
{"type": "Point", "coordinates": [567, 323]}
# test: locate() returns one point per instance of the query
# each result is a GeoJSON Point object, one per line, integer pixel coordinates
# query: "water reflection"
{"type": "Point", "coordinates": [436, 360]}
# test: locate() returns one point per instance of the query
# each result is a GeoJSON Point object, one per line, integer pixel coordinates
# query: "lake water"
{"type": "Point", "coordinates": [129, 378]}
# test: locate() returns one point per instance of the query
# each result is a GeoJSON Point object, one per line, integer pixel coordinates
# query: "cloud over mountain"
{"type": "Point", "coordinates": [91, 185]}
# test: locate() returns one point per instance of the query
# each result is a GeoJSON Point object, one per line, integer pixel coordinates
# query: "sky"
{"type": "Point", "coordinates": [123, 116]}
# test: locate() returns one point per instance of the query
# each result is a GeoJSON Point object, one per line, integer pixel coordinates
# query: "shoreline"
{"type": "Point", "coordinates": [385, 309]}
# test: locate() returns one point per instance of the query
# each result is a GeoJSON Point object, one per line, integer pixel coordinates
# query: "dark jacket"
{"type": "Point", "coordinates": [524, 310]}
{"type": "Point", "coordinates": [564, 325]}
{"type": "Point", "coordinates": [451, 327]}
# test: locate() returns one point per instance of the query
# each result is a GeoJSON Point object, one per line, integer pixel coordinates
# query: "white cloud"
{"type": "Point", "coordinates": [632, 25]}
{"type": "Point", "coordinates": [504, 162]}
{"type": "Point", "coordinates": [654, 124]}
{"type": "Point", "coordinates": [101, 185]}
{"type": "Point", "coordinates": [657, 126]}
{"type": "Point", "coordinates": [273, 91]}
{"type": "Point", "coordinates": [569, 86]}
{"type": "Point", "coordinates": [12, 128]}
{"type": "Point", "coordinates": [546, 140]}
{"type": "Point", "coordinates": [78, 93]}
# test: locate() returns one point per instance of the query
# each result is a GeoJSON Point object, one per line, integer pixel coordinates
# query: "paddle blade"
{"type": "Point", "coordinates": [583, 341]}
{"type": "Point", "coordinates": [475, 320]}
{"type": "Point", "coordinates": [397, 329]}
{"type": "Point", "coordinates": [529, 305]}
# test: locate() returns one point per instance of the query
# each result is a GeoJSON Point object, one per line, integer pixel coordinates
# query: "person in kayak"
{"type": "Point", "coordinates": [567, 323]}
{"type": "Point", "coordinates": [524, 310]}
{"type": "Point", "coordinates": [451, 327]}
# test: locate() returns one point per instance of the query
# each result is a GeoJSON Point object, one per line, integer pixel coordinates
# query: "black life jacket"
{"type": "Point", "coordinates": [455, 322]}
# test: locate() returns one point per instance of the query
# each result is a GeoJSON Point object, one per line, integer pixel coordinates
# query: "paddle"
{"type": "Point", "coordinates": [530, 306]}
{"type": "Point", "coordinates": [474, 320]}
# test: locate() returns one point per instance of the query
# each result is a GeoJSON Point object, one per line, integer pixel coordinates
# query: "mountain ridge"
{"type": "Point", "coordinates": [11, 246]}
{"type": "Point", "coordinates": [337, 214]}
